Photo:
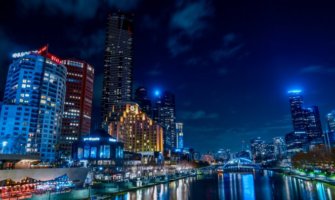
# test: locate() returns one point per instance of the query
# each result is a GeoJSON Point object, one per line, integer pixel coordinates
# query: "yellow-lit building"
{"type": "Point", "coordinates": [136, 130]}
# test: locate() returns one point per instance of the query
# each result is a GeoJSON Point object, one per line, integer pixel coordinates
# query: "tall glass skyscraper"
{"type": "Point", "coordinates": [31, 115]}
{"type": "Point", "coordinates": [118, 64]}
{"type": "Point", "coordinates": [141, 97]}
{"type": "Point", "coordinates": [165, 114]}
{"type": "Point", "coordinates": [297, 111]}
{"type": "Point", "coordinates": [331, 128]}
{"type": "Point", "coordinates": [180, 135]}
{"type": "Point", "coordinates": [305, 120]}
{"type": "Point", "coordinates": [78, 103]}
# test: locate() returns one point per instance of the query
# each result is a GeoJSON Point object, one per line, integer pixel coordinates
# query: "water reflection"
{"type": "Point", "coordinates": [244, 186]}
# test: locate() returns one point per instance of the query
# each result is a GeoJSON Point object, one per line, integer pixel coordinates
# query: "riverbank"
{"type": "Point", "coordinates": [304, 176]}
{"type": "Point", "coordinates": [107, 191]}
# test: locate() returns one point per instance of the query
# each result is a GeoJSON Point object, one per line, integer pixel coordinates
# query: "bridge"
{"type": "Point", "coordinates": [239, 165]}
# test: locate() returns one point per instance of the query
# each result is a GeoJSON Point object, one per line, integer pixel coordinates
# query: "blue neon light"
{"type": "Point", "coordinates": [294, 91]}
{"type": "Point", "coordinates": [157, 92]}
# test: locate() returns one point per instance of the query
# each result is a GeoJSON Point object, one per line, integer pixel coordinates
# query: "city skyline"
{"type": "Point", "coordinates": [254, 59]}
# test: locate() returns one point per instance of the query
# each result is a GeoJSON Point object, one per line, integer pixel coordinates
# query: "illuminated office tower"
{"type": "Point", "coordinates": [164, 113]}
{"type": "Point", "coordinates": [297, 110]}
{"type": "Point", "coordinates": [118, 65]}
{"type": "Point", "coordinates": [78, 104]}
{"type": "Point", "coordinates": [141, 97]}
{"type": "Point", "coordinates": [305, 119]}
{"type": "Point", "coordinates": [180, 135]}
{"type": "Point", "coordinates": [331, 129]}
{"type": "Point", "coordinates": [137, 131]}
{"type": "Point", "coordinates": [313, 123]}
{"type": "Point", "coordinates": [32, 111]}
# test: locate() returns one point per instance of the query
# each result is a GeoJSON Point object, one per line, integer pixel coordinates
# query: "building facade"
{"type": "Point", "coordinates": [296, 142]}
{"type": "Point", "coordinates": [78, 104]}
{"type": "Point", "coordinates": [297, 111]}
{"type": "Point", "coordinates": [31, 115]}
{"type": "Point", "coordinates": [164, 113]}
{"type": "Point", "coordinates": [180, 135]}
{"type": "Point", "coordinates": [99, 149]}
{"type": "Point", "coordinates": [141, 97]}
{"type": "Point", "coordinates": [331, 129]}
{"type": "Point", "coordinates": [118, 65]}
{"type": "Point", "coordinates": [305, 119]}
{"type": "Point", "coordinates": [279, 147]}
{"type": "Point", "coordinates": [137, 131]}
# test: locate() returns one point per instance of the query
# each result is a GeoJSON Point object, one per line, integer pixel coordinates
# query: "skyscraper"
{"type": "Point", "coordinates": [331, 129]}
{"type": "Point", "coordinates": [180, 135]}
{"type": "Point", "coordinates": [31, 115]}
{"type": "Point", "coordinates": [141, 97]}
{"type": "Point", "coordinates": [304, 119]}
{"type": "Point", "coordinates": [118, 64]}
{"type": "Point", "coordinates": [164, 114]}
{"type": "Point", "coordinates": [297, 111]}
{"type": "Point", "coordinates": [78, 103]}
{"type": "Point", "coordinates": [313, 122]}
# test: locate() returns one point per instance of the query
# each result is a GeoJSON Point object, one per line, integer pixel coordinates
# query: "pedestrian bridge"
{"type": "Point", "coordinates": [240, 165]}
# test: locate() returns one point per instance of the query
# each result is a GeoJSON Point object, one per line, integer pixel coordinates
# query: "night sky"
{"type": "Point", "coordinates": [229, 63]}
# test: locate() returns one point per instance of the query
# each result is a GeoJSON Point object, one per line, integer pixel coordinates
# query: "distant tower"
{"type": "Point", "coordinates": [297, 111]}
{"type": "Point", "coordinates": [78, 103]}
{"type": "Point", "coordinates": [331, 128]}
{"type": "Point", "coordinates": [165, 114]}
{"type": "Point", "coordinates": [141, 97]}
{"type": "Point", "coordinates": [180, 135]}
{"type": "Point", "coordinates": [118, 64]}
{"type": "Point", "coordinates": [313, 122]}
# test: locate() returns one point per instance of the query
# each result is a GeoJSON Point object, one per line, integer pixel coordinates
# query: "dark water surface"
{"type": "Point", "coordinates": [235, 186]}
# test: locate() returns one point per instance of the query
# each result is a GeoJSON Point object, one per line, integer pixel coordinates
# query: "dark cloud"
{"type": "Point", "coordinates": [80, 9]}
{"type": "Point", "coordinates": [312, 69]}
{"type": "Point", "coordinates": [191, 18]}
{"type": "Point", "coordinates": [176, 46]}
{"type": "Point", "coordinates": [197, 115]}
{"type": "Point", "coordinates": [156, 70]}
{"type": "Point", "coordinates": [188, 21]}
{"type": "Point", "coordinates": [223, 71]}
{"type": "Point", "coordinates": [231, 46]}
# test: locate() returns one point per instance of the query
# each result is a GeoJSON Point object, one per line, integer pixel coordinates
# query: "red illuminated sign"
{"type": "Point", "coordinates": [43, 50]}
{"type": "Point", "coordinates": [54, 58]}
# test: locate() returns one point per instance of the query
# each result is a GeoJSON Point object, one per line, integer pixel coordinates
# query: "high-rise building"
{"type": "Point", "coordinates": [297, 110]}
{"type": "Point", "coordinates": [279, 147]}
{"type": "Point", "coordinates": [313, 123]}
{"type": "Point", "coordinates": [180, 135]}
{"type": "Point", "coordinates": [141, 97]}
{"type": "Point", "coordinates": [118, 65]}
{"type": "Point", "coordinates": [31, 115]}
{"type": "Point", "coordinates": [296, 142]}
{"type": "Point", "coordinates": [304, 119]}
{"type": "Point", "coordinates": [164, 114]}
{"type": "Point", "coordinates": [331, 129]}
{"type": "Point", "coordinates": [257, 147]}
{"type": "Point", "coordinates": [137, 131]}
{"type": "Point", "coordinates": [78, 104]}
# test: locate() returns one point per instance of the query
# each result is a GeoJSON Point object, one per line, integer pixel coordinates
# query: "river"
{"type": "Point", "coordinates": [268, 185]}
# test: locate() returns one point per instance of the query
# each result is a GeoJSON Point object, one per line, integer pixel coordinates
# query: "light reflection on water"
{"type": "Point", "coordinates": [235, 186]}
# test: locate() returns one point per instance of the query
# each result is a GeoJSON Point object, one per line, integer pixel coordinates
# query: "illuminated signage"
{"type": "Point", "coordinates": [112, 140]}
{"type": "Point", "coordinates": [92, 139]}
{"type": "Point", "coordinates": [21, 54]}
{"type": "Point", "coordinates": [43, 49]}
{"type": "Point", "coordinates": [54, 58]}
